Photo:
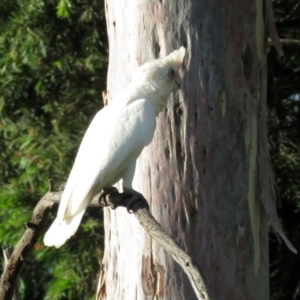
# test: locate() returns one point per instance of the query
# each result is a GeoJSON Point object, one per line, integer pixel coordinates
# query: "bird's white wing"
{"type": "Point", "coordinates": [114, 140]}
{"type": "Point", "coordinates": [111, 143]}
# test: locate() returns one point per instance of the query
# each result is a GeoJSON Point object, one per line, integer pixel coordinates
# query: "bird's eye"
{"type": "Point", "coordinates": [171, 73]}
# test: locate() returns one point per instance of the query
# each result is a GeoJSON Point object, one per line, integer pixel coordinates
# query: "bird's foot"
{"type": "Point", "coordinates": [110, 190]}
{"type": "Point", "coordinates": [134, 197]}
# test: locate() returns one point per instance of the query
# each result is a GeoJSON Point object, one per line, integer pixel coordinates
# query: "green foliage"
{"type": "Point", "coordinates": [52, 71]}
{"type": "Point", "coordinates": [284, 139]}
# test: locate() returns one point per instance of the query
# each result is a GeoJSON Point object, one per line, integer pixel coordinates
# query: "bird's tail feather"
{"type": "Point", "coordinates": [61, 230]}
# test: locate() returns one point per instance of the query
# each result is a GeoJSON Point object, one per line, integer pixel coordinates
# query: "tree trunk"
{"type": "Point", "coordinates": [200, 173]}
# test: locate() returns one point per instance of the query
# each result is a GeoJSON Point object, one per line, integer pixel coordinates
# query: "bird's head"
{"type": "Point", "coordinates": [163, 73]}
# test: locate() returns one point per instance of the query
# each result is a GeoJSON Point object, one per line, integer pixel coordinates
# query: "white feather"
{"type": "Point", "coordinates": [113, 142]}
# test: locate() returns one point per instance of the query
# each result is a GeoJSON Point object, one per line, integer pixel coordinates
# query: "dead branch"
{"type": "Point", "coordinates": [34, 229]}
{"type": "Point", "coordinates": [7, 253]}
{"type": "Point", "coordinates": [285, 42]}
{"type": "Point", "coordinates": [38, 225]}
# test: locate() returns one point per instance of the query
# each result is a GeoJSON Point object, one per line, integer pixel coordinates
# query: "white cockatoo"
{"type": "Point", "coordinates": [114, 140]}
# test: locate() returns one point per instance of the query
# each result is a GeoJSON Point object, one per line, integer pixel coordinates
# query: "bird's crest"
{"type": "Point", "coordinates": [177, 56]}
{"type": "Point", "coordinates": [147, 70]}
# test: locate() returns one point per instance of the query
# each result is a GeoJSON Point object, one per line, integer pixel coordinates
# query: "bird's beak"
{"type": "Point", "coordinates": [178, 82]}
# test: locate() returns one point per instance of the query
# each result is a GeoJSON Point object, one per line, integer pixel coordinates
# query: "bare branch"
{"type": "Point", "coordinates": [272, 28]}
{"type": "Point", "coordinates": [34, 229]}
{"type": "Point", "coordinates": [7, 253]}
{"type": "Point", "coordinates": [285, 42]}
{"type": "Point", "coordinates": [38, 226]}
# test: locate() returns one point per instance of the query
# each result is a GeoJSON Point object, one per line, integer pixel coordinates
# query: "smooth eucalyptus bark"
{"type": "Point", "coordinates": [200, 172]}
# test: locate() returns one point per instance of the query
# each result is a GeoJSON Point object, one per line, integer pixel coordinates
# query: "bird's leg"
{"type": "Point", "coordinates": [135, 197]}
{"type": "Point", "coordinates": [110, 190]}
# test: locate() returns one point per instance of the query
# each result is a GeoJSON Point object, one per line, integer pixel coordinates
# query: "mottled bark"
{"type": "Point", "coordinates": [200, 172]}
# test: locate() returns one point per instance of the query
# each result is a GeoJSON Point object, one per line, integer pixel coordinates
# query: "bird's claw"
{"type": "Point", "coordinates": [135, 197]}
{"type": "Point", "coordinates": [105, 192]}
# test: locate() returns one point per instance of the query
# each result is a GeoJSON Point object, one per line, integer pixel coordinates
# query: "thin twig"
{"type": "Point", "coordinates": [285, 42]}
{"type": "Point", "coordinates": [7, 253]}
{"type": "Point", "coordinates": [34, 229]}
